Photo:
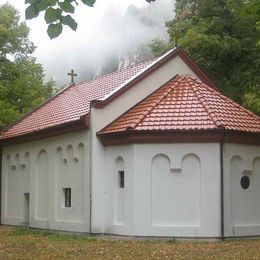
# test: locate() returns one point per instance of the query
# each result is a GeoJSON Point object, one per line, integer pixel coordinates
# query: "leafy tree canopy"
{"type": "Point", "coordinates": [57, 13]}
{"type": "Point", "coordinates": [223, 37]}
{"type": "Point", "coordinates": [21, 78]}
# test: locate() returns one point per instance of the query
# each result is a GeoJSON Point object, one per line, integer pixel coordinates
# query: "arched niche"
{"type": "Point", "coordinates": [80, 155]}
{"type": "Point", "coordinates": [175, 195]}
{"type": "Point", "coordinates": [7, 163]}
{"type": "Point", "coordinates": [27, 156]}
{"type": "Point", "coordinates": [42, 185]}
{"type": "Point", "coordinates": [239, 197]}
{"type": "Point", "coordinates": [236, 170]}
{"type": "Point", "coordinates": [71, 173]}
{"type": "Point", "coordinates": [162, 182]}
{"type": "Point", "coordinates": [245, 204]}
{"type": "Point", "coordinates": [81, 145]}
{"type": "Point", "coordinates": [17, 159]}
{"type": "Point", "coordinates": [12, 187]}
{"type": "Point", "coordinates": [16, 182]}
{"type": "Point", "coordinates": [161, 160]}
{"type": "Point", "coordinates": [24, 160]}
{"type": "Point", "coordinates": [119, 163]}
{"type": "Point", "coordinates": [70, 153]}
{"type": "Point", "coordinates": [256, 165]}
{"type": "Point", "coordinates": [191, 156]}
{"type": "Point", "coordinates": [256, 175]}
{"type": "Point", "coordinates": [119, 190]}
{"type": "Point", "coordinates": [256, 189]}
{"type": "Point", "coordinates": [60, 160]}
{"type": "Point", "coordinates": [191, 170]}
{"type": "Point", "coordinates": [59, 151]}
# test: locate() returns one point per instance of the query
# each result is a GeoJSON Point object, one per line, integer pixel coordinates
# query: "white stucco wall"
{"type": "Point", "coordinates": [170, 190]}
{"type": "Point", "coordinates": [102, 117]}
{"type": "Point", "coordinates": [42, 169]}
{"type": "Point", "coordinates": [242, 207]}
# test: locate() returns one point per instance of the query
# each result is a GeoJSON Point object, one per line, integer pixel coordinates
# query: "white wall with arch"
{"type": "Point", "coordinates": [70, 174]}
{"type": "Point", "coordinates": [15, 183]}
{"type": "Point", "coordinates": [175, 192]}
{"type": "Point", "coordinates": [242, 204]}
{"type": "Point", "coordinates": [119, 192]}
{"type": "Point", "coordinates": [42, 186]}
{"type": "Point", "coordinates": [118, 201]}
{"type": "Point", "coordinates": [170, 190]}
{"type": "Point", "coordinates": [34, 177]}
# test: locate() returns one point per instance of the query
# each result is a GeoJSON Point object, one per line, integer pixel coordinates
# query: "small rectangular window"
{"type": "Point", "coordinates": [121, 179]}
{"type": "Point", "coordinates": [67, 197]}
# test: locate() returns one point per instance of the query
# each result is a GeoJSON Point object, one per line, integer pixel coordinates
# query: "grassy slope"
{"type": "Point", "coordinates": [18, 243]}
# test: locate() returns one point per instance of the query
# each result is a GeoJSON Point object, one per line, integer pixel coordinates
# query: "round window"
{"type": "Point", "coordinates": [245, 182]}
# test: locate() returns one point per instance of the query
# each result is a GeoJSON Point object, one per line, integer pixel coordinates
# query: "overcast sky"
{"type": "Point", "coordinates": [110, 28]}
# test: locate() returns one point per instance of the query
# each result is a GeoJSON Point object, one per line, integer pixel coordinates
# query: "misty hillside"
{"type": "Point", "coordinates": [125, 41]}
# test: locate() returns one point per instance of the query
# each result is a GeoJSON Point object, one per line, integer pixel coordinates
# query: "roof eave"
{"type": "Point", "coordinates": [218, 135]}
{"type": "Point", "coordinates": [83, 123]}
{"type": "Point", "coordinates": [6, 128]}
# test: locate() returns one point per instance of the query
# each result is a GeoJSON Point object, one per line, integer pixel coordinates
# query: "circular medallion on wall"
{"type": "Point", "coordinates": [245, 182]}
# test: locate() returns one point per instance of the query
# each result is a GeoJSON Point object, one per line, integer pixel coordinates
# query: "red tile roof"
{"type": "Point", "coordinates": [73, 102]}
{"type": "Point", "coordinates": [186, 103]}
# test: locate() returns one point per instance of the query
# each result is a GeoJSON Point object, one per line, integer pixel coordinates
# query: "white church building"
{"type": "Point", "coordinates": [153, 149]}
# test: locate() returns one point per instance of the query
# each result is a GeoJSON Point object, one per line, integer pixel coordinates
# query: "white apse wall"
{"type": "Point", "coordinates": [242, 206]}
{"type": "Point", "coordinates": [170, 190]}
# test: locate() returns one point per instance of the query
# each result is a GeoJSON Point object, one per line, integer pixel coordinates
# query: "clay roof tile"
{"type": "Point", "coordinates": [73, 102]}
{"type": "Point", "coordinates": [186, 103]}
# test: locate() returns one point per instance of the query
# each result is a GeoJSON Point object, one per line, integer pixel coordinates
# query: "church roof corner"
{"type": "Point", "coordinates": [184, 104]}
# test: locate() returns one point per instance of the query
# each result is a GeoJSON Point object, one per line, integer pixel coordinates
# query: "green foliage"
{"type": "Point", "coordinates": [159, 47]}
{"type": "Point", "coordinates": [21, 78]}
{"type": "Point", "coordinates": [252, 101]}
{"type": "Point", "coordinates": [31, 11]}
{"type": "Point", "coordinates": [223, 38]}
{"type": "Point", "coordinates": [56, 17]}
{"type": "Point", "coordinates": [51, 15]}
{"type": "Point", "coordinates": [67, 7]}
{"type": "Point", "coordinates": [54, 30]}
{"type": "Point", "coordinates": [13, 35]}
{"type": "Point", "coordinates": [54, 10]}
{"type": "Point", "coordinates": [67, 20]}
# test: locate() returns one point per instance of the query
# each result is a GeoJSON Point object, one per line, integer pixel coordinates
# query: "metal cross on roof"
{"type": "Point", "coordinates": [72, 74]}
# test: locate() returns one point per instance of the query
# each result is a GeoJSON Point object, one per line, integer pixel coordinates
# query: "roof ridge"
{"type": "Point", "coordinates": [116, 71]}
{"type": "Point", "coordinates": [202, 100]}
{"type": "Point", "coordinates": [164, 94]}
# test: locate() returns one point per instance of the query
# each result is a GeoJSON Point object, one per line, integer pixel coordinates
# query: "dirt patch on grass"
{"type": "Point", "coordinates": [20, 243]}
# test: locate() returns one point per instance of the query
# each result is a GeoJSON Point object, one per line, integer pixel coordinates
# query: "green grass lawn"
{"type": "Point", "coordinates": [20, 243]}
